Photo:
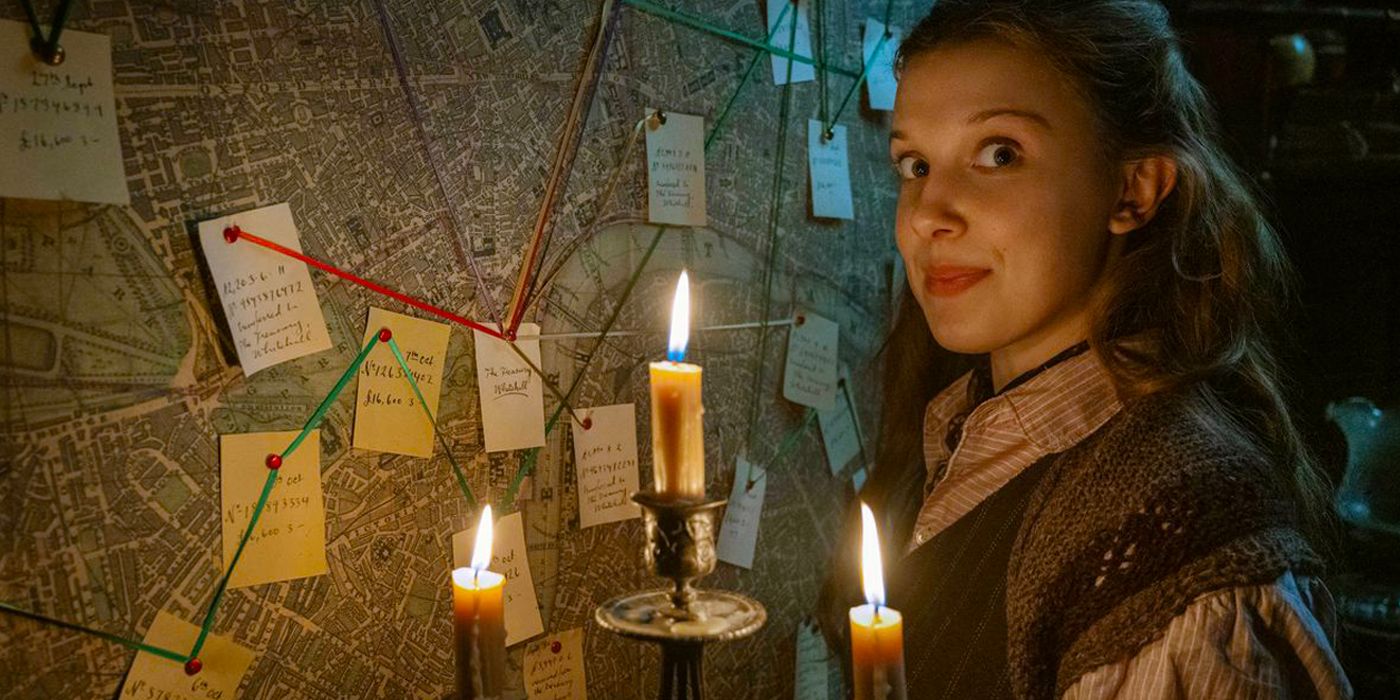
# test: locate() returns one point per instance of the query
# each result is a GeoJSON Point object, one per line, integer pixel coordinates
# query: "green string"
{"type": "Point", "coordinates": [413, 382]}
{"type": "Point", "coordinates": [820, 16]}
{"type": "Point", "coordinates": [789, 442]}
{"type": "Point", "coordinates": [856, 85]}
{"type": "Point", "coordinates": [697, 23]}
{"type": "Point", "coordinates": [527, 464]}
{"type": "Point", "coordinates": [108, 636]}
{"type": "Point", "coordinates": [311, 424]}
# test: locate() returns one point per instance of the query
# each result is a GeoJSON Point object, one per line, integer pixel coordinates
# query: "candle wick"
{"type": "Point", "coordinates": [877, 613]}
{"type": "Point", "coordinates": [476, 578]}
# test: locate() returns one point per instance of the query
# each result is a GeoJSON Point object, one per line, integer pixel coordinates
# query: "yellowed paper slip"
{"type": "Point", "coordinates": [605, 460]}
{"type": "Point", "coordinates": [289, 540]}
{"type": "Point", "coordinates": [152, 677]}
{"type": "Point", "coordinates": [811, 372]}
{"type": "Point", "coordinates": [511, 395]}
{"type": "Point", "coordinates": [388, 417]}
{"type": "Point", "coordinates": [58, 124]}
{"type": "Point", "coordinates": [554, 667]}
{"type": "Point", "coordinates": [269, 302]}
{"type": "Point", "coordinates": [676, 169]}
{"type": "Point", "coordinates": [508, 558]}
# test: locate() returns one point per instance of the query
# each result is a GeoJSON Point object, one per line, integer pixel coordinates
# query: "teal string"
{"type": "Point", "coordinates": [413, 383]}
{"type": "Point", "coordinates": [856, 85]}
{"type": "Point", "coordinates": [108, 636]}
{"type": "Point", "coordinates": [700, 24]}
{"type": "Point", "coordinates": [789, 442]}
{"type": "Point", "coordinates": [527, 463]}
{"type": "Point", "coordinates": [889, 5]}
{"type": "Point", "coordinates": [860, 434]}
{"type": "Point", "coordinates": [311, 424]}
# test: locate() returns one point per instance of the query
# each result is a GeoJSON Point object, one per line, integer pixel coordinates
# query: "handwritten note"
{"type": "Point", "coordinates": [512, 398]}
{"type": "Point", "coordinates": [812, 655]}
{"type": "Point", "coordinates": [554, 667]}
{"type": "Point", "coordinates": [508, 558]}
{"type": "Point", "coordinates": [605, 458]}
{"type": "Point", "coordinates": [387, 415]}
{"type": "Point", "coordinates": [839, 428]}
{"type": "Point", "coordinates": [797, 41]}
{"type": "Point", "coordinates": [289, 540]}
{"type": "Point", "coordinates": [268, 299]}
{"type": "Point", "coordinates": [676, 170]}
{"type": "Point", "coordinates": [58, 124]}
{"type": "Point", "coordinates": [830, 172]}
{"type": "Point", "coordinates": [738, 532]}
{"type": "Point", "coordinates": [809, 377]}
{"type": "Point", "coordinates": [880, 81]}
{"type": "Point", "coordinates": [155, 678]}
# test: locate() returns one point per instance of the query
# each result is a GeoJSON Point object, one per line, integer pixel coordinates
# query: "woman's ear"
{"type": "Point", "coordinates": [1146, 184]}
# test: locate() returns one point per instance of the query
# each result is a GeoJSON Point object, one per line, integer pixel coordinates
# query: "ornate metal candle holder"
{"type": "Point", "coordinates": [680, 545]}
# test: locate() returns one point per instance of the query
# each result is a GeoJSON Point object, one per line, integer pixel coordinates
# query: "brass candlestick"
{"type": "Point", "coordinates": [680, 545]}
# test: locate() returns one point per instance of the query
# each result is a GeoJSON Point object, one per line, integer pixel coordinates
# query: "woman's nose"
{"type": "Point", "coordinates": [932, 209]}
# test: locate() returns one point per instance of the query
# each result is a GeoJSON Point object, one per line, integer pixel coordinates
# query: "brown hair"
{"type": "Point", "coordinates": [1202, 288]}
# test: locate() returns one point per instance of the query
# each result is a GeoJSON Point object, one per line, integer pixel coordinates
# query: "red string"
{"type": "Point", "coordinates": [234, 233]}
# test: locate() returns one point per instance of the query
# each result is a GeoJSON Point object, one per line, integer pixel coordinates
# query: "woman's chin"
{"type": "Point", "coordinates": [961, 337]}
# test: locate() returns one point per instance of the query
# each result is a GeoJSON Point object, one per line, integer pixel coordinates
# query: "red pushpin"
{"type": "Point", "coordinates": [274, 461]}
{"type": "Point", "coordinates": [231, 233]}
{"type": "Point", "coordinates": [510, 335]}
{"type": "Point", "coordinates": [193, 666]}
{"type": "Point", "coordinates": [555, 646]}
{"type": "Point", "coordinates": [801, 319]}
{"type": "Point", "coordinates": [587, 425]}
{"type": "Point", "coordinates": [385, 335]}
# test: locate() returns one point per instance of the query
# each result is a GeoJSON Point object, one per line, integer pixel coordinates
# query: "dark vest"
{"type": "Point", "coordinates": [952, 590]}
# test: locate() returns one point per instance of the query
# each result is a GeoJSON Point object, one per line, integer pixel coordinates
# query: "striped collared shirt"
{"type": "Point", "coordinates": [1249, 641]}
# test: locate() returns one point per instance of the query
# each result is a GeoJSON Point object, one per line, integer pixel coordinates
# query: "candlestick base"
{"type": "Point", "coordinates": [716, 616]}
{"type": "Point", "coordinates": [680, 545]}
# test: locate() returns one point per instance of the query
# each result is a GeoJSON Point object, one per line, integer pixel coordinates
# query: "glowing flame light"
{"type": "Point", "coordinates": [481, 553]}
{"type": "Point", "coordinates": [872, 574]}
{"type": "Point", "coordinates": [680, 320]}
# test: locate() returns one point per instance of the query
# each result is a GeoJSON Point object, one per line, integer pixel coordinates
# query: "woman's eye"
{"type": "Point", "coordinates": [910, 167]}
{"type": "Point", "coordinates": [997, 155]}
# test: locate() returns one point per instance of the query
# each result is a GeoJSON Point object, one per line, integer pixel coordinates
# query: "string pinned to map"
{"type": "Point", "coordinates": [48, 49]}
{"type": "Point", "coordinates": [788, 444]}
{"type": "Point", "coordinates": [527, 464]}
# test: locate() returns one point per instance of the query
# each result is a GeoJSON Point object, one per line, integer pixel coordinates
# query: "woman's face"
{"type": "Point", "coordinates": [1004, 201]}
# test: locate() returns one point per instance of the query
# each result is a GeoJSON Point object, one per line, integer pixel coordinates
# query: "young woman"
{"type": "Point", "coordinates": [1109, 500]}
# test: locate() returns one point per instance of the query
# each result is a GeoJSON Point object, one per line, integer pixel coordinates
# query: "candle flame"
{"type": "Point", "coordinates": [872, 574]}
{"type": "Point", "coordinates": [481, 553]}
{"type": "Point", "coordinates": [680, 320]}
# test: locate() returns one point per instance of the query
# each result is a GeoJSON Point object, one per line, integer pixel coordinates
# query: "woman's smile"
{"type": "Point", "coordinates": [950, 280]}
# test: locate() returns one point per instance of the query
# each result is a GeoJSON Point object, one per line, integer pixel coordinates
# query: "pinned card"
{"type": "Point", "coordinates": [858, 479]}
{"type": "Point", "coordinates": [796, 40]}
{"type": "Point", "coordinates": [508, 558]}
{"type": "Point", "coordinates": [58, 124]}
{"type": "Point", "coordinates": [676, 169]}
{"type": "Point", "coordinates": [829, 171]}
{"type": "Point", "coordinates": [269, 302]}
{"type": "Point", "coordinates": [811, 665]}
{"type": "Point", "coordinates": [289, 540]}
{"type": "Point", "coordinates": [738, 532]}
{"type": "Point", "coordinates": [388, 416]}
{"type": "Point", "coordinates": [605, 459]}
{"type": "Point", "coordinates": [810, 374]}
{"type": "Point", "coordinates": [840, 428]}
{"type": "Point", "coordinates": [880, 81]}
{"type": "Point", "coordinates": [224, 664]}
{"type": "Point", "coordinates": [554, 667]}
{"type": "Point", "coordinates": [511, 394]}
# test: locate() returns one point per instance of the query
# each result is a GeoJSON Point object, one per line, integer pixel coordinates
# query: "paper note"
{"type": "Point", "coordinates": [830, 172]}
{"type": "Point", "coordinates": [554, 667]}
{"type": "Point", "coordinates": [809, 377]}
{"type": "Point", "coordinates": [812, 654]}
{"type": "Point", "coordinates": [511, 395]}
{"type": "Point", "coordinates": [58, 124]}
{"type": "Point", "coordinates": [269, 302]}
{"type": "Point", "coordinates": [605, 458]}
{"type": "Point", "coordinates": [508, 558]}
{"type": "Point", "coordinates": [738, 533]}
{"type": "Point", "coordinates": [840, 427]}
{"type": "Point", "coordinates": [289, 540]}
{"type": "Point", "coordinates": [858, 479]}
{"type": "Point", "coordinates": [388, 417]}
{"type": "Point", "coordinates": [798, 41]}
{"type": "Point", "coordinates": [156, 678]}
{"type": "Point", "coordinates": [880, 82]}
{"type": "Point", "coordinates": [676, 170]}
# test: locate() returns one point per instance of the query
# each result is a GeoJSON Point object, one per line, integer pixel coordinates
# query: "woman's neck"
{"type": "Point", "coordinates": [1014, 360]}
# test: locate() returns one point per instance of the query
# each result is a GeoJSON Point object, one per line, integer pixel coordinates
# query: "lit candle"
{"type": "Point", "coordinates": [877, 632]}
{"type": "Point", "coordinates": [479, 622]}
{"type": "Point", "coordinates": [677, 428]}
